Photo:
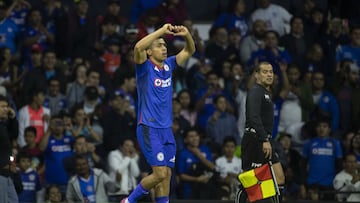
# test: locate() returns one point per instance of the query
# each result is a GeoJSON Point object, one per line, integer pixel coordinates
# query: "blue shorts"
{"type": "Point", "coordinates": [158, 145]}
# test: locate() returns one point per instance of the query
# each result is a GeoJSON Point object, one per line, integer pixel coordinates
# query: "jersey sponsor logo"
{"type": "Point", "coordinates": [172, 159]}
{"type": "Point", "coordinates": [61, 148]}
{"type": "Point", "coordinates": [322, 151]}
{"type": "Point", "coordinates": [162, 83]}
{"type": "Point", "coordinates": [29, 186]}
{"type": "Point", "coordinates": [160, 156]}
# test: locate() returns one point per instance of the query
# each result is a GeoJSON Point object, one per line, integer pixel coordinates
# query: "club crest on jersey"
{"type": "Point", "coordinates": [166, 67]}
{"type": "Point", "coordinates": [162, 83]}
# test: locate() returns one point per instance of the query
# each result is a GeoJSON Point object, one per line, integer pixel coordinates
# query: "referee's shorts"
{"type": "Point", "coordinates": [252, 154]}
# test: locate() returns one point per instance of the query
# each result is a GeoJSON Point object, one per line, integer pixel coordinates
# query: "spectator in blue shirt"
{"type": "Point", "coordinates": [8, 30]}
{"type": "Point", "coordinates": [272, 53]}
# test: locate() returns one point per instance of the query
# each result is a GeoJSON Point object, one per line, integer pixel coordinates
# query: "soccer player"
{"type": "Point", "coordinates": [154, 86]}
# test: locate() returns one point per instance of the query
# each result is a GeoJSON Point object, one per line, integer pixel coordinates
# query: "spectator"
{"type": "Point", "coordinates": [10, 76]}
{"type": "Point", "coordinates": [195, 168]}
{"type": "Point", "coordinates": [119, 122]}
{"type": "Point", "coordinates": [126, 86]}
{"type": "Point", "coordinates": [344, 95]}
{"type": "Point", "coordinates": [204, 99]}
{"type": "Point", "coordinates": [54, 99]}
{"type": "Point", "coordinates": [53, 194]}
{"type": "Point", "coordinates": [346, 141]}
{"type": "Point", "coordinates": [113, 11]}
{"type": "Point", "coordinates": [229, 167]}
{"type": "Point", "coordinates": [34, 114]}
{"type": "Point", "coordinates": [254, 41]}
{"type": "Point", "coordinates": [79, 39]}
{"type": "Point", "coordinates": [93, 79]}
{"type": "Point", "coordinates": [82, 125]}
{"type": "Point", "coordinates": [336, 35]}
{"type": "Point", "coordinates": [315, 26]}
{"type": "Point", "coordinates": [234, 18]}
{"type": "Point", "coordinates": [172, 11]}
{"type": "Point", "coordinates": [148, 22]}
{"type": "Point", "coordinates": [296, 42]}
{"type": "Point", "coordinates": [182, 123]}
{"type": "Point", "coordinates": [324, 100]}
{"type": "Point", "coordinates": [129, 39]}
{"type": "Point", "coordinates": [88, 185]}
{"type": "Point", "coordinates": [355, 146]}
{"type": "Point", "coordinates": [196, 76]}
{"type": "Point", "coordinates": [348, 180]}
{"type": "Point", "coordinates": [292, 168]}
{"type": "Point", "coordinates": [18, 11]}
{"type": "Point", "coordinates": [38, 33]}
{"type": "Point", "coordinates": [139, 8]}
{"type": "Point", "coordinates": [29, 178]}
{"type": "Point", "coordinates": [187, 106]}
{"type": "Point", "coordinates": [351, 50]}
{"type": "Point", "coordinates": [220, 49]}
{"type": "Point", "coordinates": [276, 17]}
{"type": "Point", "coordinates": [75, 89]}
{"type": "Point", "coordinates": [38, 78]}
{"type": "Point", "coordinates": [82, 147]}
{"type": "Point", "coordinates": [221, 123]}
{"type": "Point", "coordinates": [108, 28]}
{"type": "Point", "coordinates": [124, 168]}
{"type": "Point", "coordinates": [271, 53]}
{"type": "Point", "coordinates": [111, 56]}
{"type": "Point", "coordinates": [8, 133]}
{"type": "Point", "coordinates": [91, 100]}
{"type": "Point", "coordinates": [315, 61]}
{"type": "Point", "coordinates": [32, 148]}
{"type": "Point", "coordinates": [319, 152]}
{"type": "Point", "coordinates": [9, 30]}
{"type": "Point", "coordinates": [56, 146]}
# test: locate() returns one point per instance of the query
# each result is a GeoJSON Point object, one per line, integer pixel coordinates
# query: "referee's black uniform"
{"type": "Point", "coordinates": [258, 127]}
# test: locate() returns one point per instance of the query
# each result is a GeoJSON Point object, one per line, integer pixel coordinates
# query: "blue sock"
{"type": "Point", "coordinates": [163, 199]}
{"type": "Point", "coordinates": [137, 193]}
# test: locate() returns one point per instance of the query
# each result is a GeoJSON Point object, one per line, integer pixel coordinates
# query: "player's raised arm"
{"type": "Point", "coordinates": [189, 48]}
{"type": "Point", "coordinates": [144, 43]}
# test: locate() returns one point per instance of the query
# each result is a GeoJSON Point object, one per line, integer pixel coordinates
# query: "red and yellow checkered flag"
{"type": "Point", "coordinates": [258, 183]}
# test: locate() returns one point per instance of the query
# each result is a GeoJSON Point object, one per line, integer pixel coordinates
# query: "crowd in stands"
{"type": "Point", "coordinates": [70, 76]}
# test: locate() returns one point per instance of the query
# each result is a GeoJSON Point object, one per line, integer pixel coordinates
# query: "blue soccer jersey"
{"type": "Point", "coordinates": [31, 184]}
{"type": "Point", "coordinates": [154, 87]}
{"type": "Point", "coordinates": [55, 152]}
{"type": "Point", "coordinates": [322, 152]}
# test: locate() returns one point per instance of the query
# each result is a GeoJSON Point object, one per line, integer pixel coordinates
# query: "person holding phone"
{"type": "Point", "coordinates": [8, 133]}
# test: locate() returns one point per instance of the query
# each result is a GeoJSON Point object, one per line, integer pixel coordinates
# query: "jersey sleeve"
{"type": "Point", "coordinates": [172, 62]}
{"type": "Point", "coordinates": [141, 69]}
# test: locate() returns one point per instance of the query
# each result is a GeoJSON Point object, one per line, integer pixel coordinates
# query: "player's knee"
{"type": "Point", "coordinates": [160, 173]}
